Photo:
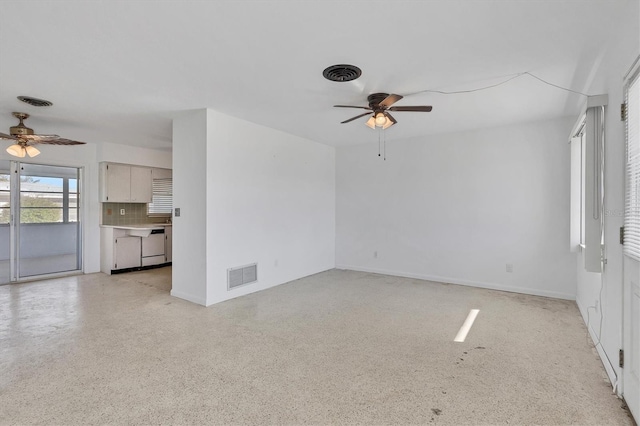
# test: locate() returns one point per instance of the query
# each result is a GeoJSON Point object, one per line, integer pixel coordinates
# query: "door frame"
{"type": "Point", "coordinates": [14, 224]}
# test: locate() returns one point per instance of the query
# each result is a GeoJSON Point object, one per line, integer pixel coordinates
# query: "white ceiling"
{"type": "Point", "coordinates": [118, 71]}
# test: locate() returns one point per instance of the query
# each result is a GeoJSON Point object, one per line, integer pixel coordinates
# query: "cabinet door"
{"type": "Point", "coordinates": [118, 183]}
{"type": "Point", "coordinates": [141, 188]}
{"type": "Point", "coordinates": [167, 243]}
{"type": "Point", "coordinates": [127, 252]}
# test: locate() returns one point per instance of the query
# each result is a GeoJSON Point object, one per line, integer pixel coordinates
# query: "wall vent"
{"type": "Point", "coordinates": [242, 275]}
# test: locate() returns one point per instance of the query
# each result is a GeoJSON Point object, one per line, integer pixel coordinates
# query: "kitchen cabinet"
{"type": "Point", "coordinates": [168, 241]}
{"type": "Point", "coordinates": [132, 247]}
{"type": "Point", "coordinates": [124, 183]}
{"type": "Point", "coordinates": [126, 252]}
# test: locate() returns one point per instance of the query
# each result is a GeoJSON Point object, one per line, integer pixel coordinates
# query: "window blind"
{"type": "Point", "coordinates": [631, 246]}
{"type": "Point", "coordinates": [162, 200]}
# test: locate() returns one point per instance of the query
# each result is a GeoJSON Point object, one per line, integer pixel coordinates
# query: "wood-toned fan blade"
{"type": "Point", "coordinates": [9, 137]}
{"type": "Point", "coordinates": [351, 106]}
{"type": "Point", "coordinates": [356, 117]}
{"type": "Point", "coordinates": [52, 140]}
{"type": "Point", "coordinates": [390, 100]}
{"type": "Point", "coordinates": [424, 108]}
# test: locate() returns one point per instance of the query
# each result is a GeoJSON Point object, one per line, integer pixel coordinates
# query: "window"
{"type": "Point", "coordinates": [587, 184]}
{"type": "Point", "coordinates": [162, 201]}
{"type": "Point", "coordinates": [45, 199]}
{"type": "Point", "coordinates": [5, 198]}
{"type": "Point", "coordinates": [631, 246]}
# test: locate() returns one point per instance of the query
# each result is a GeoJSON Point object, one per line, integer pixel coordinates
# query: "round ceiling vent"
{"type": "Point", "coordinates": [35, 101]}
{"type": "Point", "coordinates": [342, 72]}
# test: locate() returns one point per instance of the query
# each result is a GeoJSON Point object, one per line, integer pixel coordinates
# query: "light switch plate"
{"type": "Point", "coordinates": [177, 213]}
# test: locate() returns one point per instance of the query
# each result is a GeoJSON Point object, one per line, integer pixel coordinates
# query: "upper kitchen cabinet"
{"type": "Point", "coordinates": [123, 183]}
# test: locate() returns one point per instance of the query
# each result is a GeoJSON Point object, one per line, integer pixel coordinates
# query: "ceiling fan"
{"type": "Point", "coordinates": [379, 107]}
{"type": "Point", "coordinates": [25, 139]}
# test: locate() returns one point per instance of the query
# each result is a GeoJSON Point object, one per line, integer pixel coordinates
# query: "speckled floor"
{"type": "Point", "coordinates": [338, 347]}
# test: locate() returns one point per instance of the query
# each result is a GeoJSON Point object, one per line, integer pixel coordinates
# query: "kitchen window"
{"type": "Point", "coordinates": [162, 199]}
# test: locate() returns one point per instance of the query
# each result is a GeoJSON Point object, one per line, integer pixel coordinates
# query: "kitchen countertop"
{"type": "Point", "coordinates": [139, 230]}
{"type": "Point", "coordinates": [139, 226]}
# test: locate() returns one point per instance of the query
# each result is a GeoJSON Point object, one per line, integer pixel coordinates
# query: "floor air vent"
{"type": "Point", "coordinates": [242, 275]}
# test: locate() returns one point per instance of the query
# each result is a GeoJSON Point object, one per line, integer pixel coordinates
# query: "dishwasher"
{"type": "Point", "coordinates": [153, 248]}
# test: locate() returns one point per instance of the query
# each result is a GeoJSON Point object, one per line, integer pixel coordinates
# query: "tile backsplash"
{"type": "Point", "coordinates": [134, 213]}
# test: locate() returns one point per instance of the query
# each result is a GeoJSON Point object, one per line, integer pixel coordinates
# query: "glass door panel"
{"type": "Point", "coordinates": [5, 221]}
{"type": "Point", "coordinates": [47, 227]}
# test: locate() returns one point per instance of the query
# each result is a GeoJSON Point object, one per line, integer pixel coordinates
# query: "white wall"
{"type": "Point", "coordinates": [271, 200]}
{"type": "Point", "coordinates": [608, 78]}
{"type": "Point", "coordinates": [189, 234]}
{"type": "Point", "coordinates": [457, 208]}
{"type": "Point", "coordinates": [248, 194]}
{"type": "Point", "coordinates": [126, 154]}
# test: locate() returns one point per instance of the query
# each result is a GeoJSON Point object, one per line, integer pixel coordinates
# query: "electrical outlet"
{"type": "Point", "coordinates": [121, 212]}
{"type": "Point", "coordinates": [375, 254]}
{"type": "Point", "coordinates": [275, 263]}
{"type": "Point", "coordinates": [509, 267]}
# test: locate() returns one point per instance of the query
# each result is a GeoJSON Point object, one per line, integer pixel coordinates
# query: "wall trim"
{"type": "Point", "coordinates": [448, 280]}
{"type": "Point", "coordinates": [188, 297]}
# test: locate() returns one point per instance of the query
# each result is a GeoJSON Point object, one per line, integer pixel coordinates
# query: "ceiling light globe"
{"type": "Point", "coordinates": [381, 119]}
{"type": "Point", "coordinates": [16, 150]}
{"type": "Point", "coordinates": [32, 151]}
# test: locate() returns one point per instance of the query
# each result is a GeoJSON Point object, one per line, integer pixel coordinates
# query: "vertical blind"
{"type": "Point", "coordinates": [162, 201]}
{"type": "Point", "coordinates": [632, 191]}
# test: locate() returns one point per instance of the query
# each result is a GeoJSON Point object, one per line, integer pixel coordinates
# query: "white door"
{"type": "Point", "coordinates": [631, 342]}
{"type": "Point", "coordinates": [631, 261]}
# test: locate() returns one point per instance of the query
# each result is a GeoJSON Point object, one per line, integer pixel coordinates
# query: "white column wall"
{"type": "Point", "coordinates": [248, 194]}
{"type": "Point", "coordinates": [271, 201]}
{"type": "Point", "coordinates": [189, 245]}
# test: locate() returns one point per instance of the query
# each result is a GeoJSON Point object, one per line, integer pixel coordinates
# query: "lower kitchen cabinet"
{"type": "Point", "coordinates": [120, 251]}
{"type": "Point", "coordinates": [126, 252]}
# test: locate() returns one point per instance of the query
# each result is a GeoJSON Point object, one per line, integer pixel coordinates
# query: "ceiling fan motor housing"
{"type": "Point", "coordinates": [375, 98]}
{"type": "Point", "coordinates": [20, 129]}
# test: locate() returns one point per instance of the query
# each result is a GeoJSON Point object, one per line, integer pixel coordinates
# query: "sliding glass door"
{"type": "Point", "coordinates": [5, 220]}
{"type": "Point", "coordinates": [39, 212]}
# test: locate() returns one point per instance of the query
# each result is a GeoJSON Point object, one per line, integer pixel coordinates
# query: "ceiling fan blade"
{"type": "Point", "coordinates": [52, 140]}
{"type": "Point", "coordinates": [351, 106]}
{"type": "Point", "coordinates": [356, 117]}
{"type": "Point", "coordinates": [9, 137]}
{"type": "Point", "coordinates": [390, 100]}
{"type": "Point", "coordinates": [424, 108]}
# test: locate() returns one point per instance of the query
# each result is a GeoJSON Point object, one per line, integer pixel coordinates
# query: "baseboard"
{"type": "Point", "coordinates": [449, 280]}
{"type": "Point", "coordinates": [189, 297]}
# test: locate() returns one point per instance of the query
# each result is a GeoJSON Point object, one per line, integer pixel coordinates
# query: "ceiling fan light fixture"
{"type": "Point", "coordinates": [381, 119]}
{"type": "Point", "coordinates": [16, 150]}
{"type": "Point", "coordinates": [32, 151]}
{"type": "Point", "coordinates": [371, 122]}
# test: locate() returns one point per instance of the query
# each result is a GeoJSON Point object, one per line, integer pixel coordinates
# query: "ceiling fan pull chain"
{"type": "Point", "coordinates": [379, 142]}
{"type": "Point", "coordinates": [384, 142]}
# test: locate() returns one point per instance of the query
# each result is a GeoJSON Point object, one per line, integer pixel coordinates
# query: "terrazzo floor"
{"type": "Point", "coordinates": [339, 347]}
